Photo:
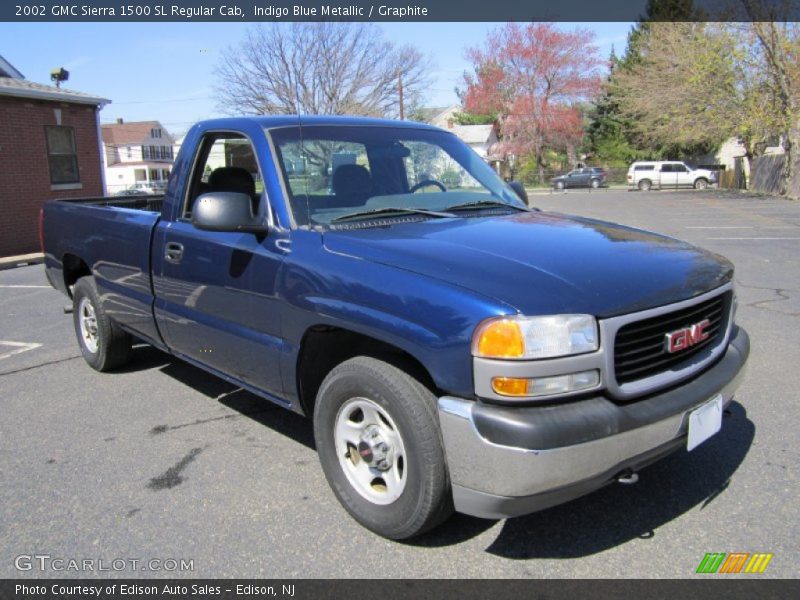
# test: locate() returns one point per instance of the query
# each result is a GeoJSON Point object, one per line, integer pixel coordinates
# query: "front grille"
{"type": "Point", "coordinates": [639, 350]}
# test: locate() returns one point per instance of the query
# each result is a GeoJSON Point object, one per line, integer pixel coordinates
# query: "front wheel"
{"type": "Point", "coordinates": [377, 435]}
{"type": "Point", "coordinates": [560, 185]}
{"type": "Point", "coordinates": [103, 344]}
{"type": "Point", "coordinates": [701, 184]}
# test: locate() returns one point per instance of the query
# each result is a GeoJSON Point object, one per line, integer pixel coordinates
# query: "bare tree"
{"type": "Point", "coordinates": [318, 68]}
{"type": "Point", "coordinates": [778, 65]}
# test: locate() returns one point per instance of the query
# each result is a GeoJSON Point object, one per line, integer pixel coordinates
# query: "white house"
{"type": "Point", "coordinates": [479, 137]}
{"type": "Point", "coordinates": [733, 149]}
{"type": "Point", "coordinates": [138, 154]}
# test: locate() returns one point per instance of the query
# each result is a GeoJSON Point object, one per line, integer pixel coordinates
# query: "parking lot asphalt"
{"type": "Point", "coordinates": [161, 461]}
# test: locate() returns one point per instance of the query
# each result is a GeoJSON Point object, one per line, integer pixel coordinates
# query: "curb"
{"type": "Point", "coordinates": [23, 260]}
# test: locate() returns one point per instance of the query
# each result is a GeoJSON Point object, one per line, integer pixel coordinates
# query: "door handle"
{"type": "Point", "coordinates": [173, 252]}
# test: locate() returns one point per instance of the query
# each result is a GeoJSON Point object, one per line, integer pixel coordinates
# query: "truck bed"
{"type": "Point", "coordinates": [110, 238]}
{"type": "Point", "coordinates": [147, 203]}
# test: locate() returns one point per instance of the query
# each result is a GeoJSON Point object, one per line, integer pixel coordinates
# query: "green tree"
{"type": "Point", "coordinates": [607, 127]}
{"type": "Point", "coordinates": [680, 94]}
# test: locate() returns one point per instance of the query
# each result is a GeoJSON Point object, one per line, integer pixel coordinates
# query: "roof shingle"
{"type": "Point", "coordinates": [28, 89]}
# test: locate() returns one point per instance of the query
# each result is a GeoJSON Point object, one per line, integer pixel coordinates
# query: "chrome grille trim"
{"type": "Point", "coordinates": [652, 383]}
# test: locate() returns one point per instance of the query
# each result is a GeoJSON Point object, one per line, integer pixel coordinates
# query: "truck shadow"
{"type": "Point", "coordinates": [617, 514]}
{"type": "Point", "coordinates": [248, 405]}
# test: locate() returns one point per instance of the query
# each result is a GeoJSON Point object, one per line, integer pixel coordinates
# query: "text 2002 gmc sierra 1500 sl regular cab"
{"type": "Point", "coordinates": [455, 348]}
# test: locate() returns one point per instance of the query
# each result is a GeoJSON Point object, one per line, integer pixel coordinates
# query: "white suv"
{"type": "Point", "coordinates": [645, 175]}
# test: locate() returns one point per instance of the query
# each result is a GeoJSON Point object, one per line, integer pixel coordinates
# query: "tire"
{"type": "Point", "coordinates": [701, 184]}
{"type": "Point", "coordinates": [103, 344]}
{"type": "Point", "coordinates": [595, 183]}
{"type": "Point", "coordinates": [559, 185]}
{"type": "Point", "coordinates": [398, 490]}
{"type": "Point", "coordinates": [645, 185]}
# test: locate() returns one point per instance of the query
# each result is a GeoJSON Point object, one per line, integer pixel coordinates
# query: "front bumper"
{"type": "Point", "coordinates": [510, 461]}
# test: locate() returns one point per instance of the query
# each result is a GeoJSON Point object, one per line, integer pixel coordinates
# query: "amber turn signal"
{"type": "Point", "coordinates": [501, 339]}
{"type": "Point", "coordinates": [510, 386]}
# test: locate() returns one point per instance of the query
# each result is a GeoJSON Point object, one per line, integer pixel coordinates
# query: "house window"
{"type": "Point", "coordinates": [155, 132]}
{"type": "Point", "coordinates": [62, 154]}
{"type": "Point", "coordinates": [130, 153]}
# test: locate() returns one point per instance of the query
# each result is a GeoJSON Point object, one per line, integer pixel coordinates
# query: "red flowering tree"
{"type": "Point", "coordinates": [532, 78]}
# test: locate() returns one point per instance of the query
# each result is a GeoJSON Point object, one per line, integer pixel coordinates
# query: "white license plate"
{"type": "Point", "coordinates": [704, 422]}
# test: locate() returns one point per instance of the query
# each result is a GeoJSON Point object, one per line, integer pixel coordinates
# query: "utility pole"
{"type": "Point", "coordinates": [400, 92]}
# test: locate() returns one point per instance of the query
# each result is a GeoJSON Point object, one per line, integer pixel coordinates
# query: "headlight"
{"type": "Point", "coordinates": [535, 337]}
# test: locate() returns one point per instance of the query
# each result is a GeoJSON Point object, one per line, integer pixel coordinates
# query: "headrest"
{"type": "Point", "coordinates": [232, 179]}
{"type": "Point", "coordinates": [352, 180]}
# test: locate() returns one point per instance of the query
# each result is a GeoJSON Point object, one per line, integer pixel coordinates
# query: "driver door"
{"type": "Point", "coordinates": [215, 291]}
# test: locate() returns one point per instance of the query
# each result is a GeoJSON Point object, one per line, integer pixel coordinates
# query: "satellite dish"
{"type": "Point", "coordinates": [59, 75]}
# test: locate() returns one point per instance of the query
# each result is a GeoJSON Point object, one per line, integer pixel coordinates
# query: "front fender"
{"type": "Point", "coordinates": [431, 320]}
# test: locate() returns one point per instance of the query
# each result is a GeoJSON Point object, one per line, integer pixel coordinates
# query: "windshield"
{"type": "Point", "coordinates": [335, 174]}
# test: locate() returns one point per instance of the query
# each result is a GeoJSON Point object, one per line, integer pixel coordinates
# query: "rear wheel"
{"type": "Point", "coordinates": [595, 183]}
{"type": "Point", "coordinates": [378, 439]}
{"type": "Point", "coordinates": [103, 344]}
{"type": "Point", "coordinates": [701, 184]}
{"type": "Point", "coordinates": [645, 185]}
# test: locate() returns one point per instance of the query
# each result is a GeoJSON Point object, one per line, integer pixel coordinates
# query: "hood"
{"type": "Point", "coordinates": [543, 263]}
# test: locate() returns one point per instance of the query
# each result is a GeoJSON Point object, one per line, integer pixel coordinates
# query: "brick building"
{"type": "Point", "coordinates": [49, 147]}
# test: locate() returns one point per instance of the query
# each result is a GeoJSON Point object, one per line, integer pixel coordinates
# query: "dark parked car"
{"type": "Point", "coordinates": [588, 177]}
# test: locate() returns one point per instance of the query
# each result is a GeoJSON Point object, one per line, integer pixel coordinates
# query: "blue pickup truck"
{"type": "Point", "coordinates": [455, 348]}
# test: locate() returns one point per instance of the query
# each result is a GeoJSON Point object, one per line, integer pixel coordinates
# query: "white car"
{"type": "Point", "coordinates": [644, 175]}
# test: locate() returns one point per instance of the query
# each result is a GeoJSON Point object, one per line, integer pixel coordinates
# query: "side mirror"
{"type": "Point", "coordinates": [519, 189]}
{"type": "Point", "coordinates": [226, 211]}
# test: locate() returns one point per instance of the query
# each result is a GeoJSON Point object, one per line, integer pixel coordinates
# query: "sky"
{"type": "Point", "coordinates": [164, 71]}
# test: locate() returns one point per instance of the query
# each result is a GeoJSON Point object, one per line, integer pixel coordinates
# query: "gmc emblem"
{"type": "Point", "coordinates": [686, 337]}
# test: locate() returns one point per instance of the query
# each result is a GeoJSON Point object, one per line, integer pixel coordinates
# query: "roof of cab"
{"type": "Point", "coordinates": [273, 121]}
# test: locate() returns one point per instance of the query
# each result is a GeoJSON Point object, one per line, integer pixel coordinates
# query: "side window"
{"type": "Point", "coordinates": [679, 168]}
{"type": "Point", "coordinates": [226, 163]}
{"type": "Point", "coordinates": [666, 168]}
{"type": "Point", "coordinates": [643, 168]}
{"type": "Point", "coordinates": [62, 155]}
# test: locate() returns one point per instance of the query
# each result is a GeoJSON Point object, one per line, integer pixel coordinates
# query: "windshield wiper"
{"type": "Point", "coordinates": [390, 211]}
{"type": "Point", "coordinates": [485, 204]}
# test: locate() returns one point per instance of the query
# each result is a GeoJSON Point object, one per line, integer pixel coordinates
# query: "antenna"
{"type": "Point", "coordinates": [58, 75]}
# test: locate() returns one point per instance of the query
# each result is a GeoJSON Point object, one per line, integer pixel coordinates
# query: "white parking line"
{"type": "Point", "coordinates": [718, 227]}
{"type": "Point", "coordinates": [20, 348]}
{"type": "Point", "coordinates": [753, 238]}
{"type": "Point", "coordinates": [24, 287]}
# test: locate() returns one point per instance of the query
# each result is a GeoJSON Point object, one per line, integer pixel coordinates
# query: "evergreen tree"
{"type": "Point", "coordinates": [606, 132]}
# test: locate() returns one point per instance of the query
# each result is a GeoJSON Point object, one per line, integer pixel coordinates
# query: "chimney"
{"type": "Point", "coordinates": [119, 121]}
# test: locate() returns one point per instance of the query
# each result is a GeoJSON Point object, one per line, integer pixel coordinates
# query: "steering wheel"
{"type": "Point", "coordinates": [426, 183]}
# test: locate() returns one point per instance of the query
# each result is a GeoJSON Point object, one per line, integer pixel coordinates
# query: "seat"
{"type": "Point", "coordinates": [233, 179]}
{"type": "Point", "coordinates": [352, 184]}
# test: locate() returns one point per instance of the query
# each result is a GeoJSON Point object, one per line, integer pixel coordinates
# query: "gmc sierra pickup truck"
{"type": "Point", "coordinates": [455, 348]}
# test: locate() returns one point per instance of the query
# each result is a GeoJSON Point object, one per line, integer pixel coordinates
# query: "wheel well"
{"type": "Point", "coordinates": [74, 268]}
{"type": "Point", "coordinates": [324, 347]}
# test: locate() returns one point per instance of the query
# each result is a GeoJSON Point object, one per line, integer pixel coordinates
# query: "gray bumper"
{"type": "Point", "coordinates": [509, 461]}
